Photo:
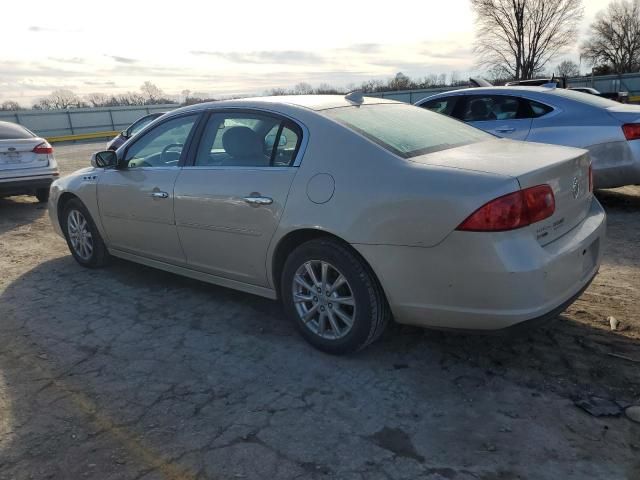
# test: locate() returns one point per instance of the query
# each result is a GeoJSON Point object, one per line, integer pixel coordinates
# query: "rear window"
{"type": "Point", "coordinates": [582, 98]}
{"type": "Point", "coordinates": [406, 130]}
{"type": "Point", "coordinates": [12, 131]}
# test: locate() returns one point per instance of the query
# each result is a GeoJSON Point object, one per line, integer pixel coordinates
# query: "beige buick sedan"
{"type": "Point", "coordinates": [352, 211]}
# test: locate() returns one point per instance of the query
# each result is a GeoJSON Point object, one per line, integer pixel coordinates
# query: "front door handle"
{"type": "Point", "coordinates": [159, 194]}
{"type": "Point", "coordinates": [258, 200]}
{"type": "Point", "coordinates": [505, 130]}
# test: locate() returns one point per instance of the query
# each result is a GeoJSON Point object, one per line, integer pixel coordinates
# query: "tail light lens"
{"type": "Point", "coordinates": [515, 210]}
{"type": "Point", "coordinates": [631, 131]}
{"type": "Point", "coordinates": [43, 148]}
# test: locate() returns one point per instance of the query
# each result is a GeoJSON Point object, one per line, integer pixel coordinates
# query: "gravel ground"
{"type": "Point", "coordinates": [128, 372]}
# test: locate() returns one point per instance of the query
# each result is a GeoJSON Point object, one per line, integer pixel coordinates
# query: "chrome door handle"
{"type": "Point", "coordinates": [159, 194]}
{"type": "Point", "coordinates": [505, 130]}
{"type": "Point", "coordinates": [258, 200]}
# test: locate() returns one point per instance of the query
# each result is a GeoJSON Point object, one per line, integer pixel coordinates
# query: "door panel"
{"type": "Point", "coordinates": [516, 129]}
{"type": "Point", "coordinates": [222, 229]}
{"type": "Point", "coordinates": [136, 208]}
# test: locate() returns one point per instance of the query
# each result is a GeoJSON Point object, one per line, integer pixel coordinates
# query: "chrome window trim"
{"type": "Point", "coordinates": [301, 150]}
{"type": "Point", "coordinates": [238, 167]}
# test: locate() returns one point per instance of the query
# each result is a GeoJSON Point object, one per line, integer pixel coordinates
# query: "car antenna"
{"type": "Point", "coordinates": [356, 96]}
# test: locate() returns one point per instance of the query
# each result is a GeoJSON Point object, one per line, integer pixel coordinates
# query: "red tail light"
{"type": "Point", "coordinates": [43, 148]}
{"type": "Point", "coordinates": [631, 131]}
{"type": "Point", "coordinates": [515, 210]}
{"type": "Point", "coordinates": [590, 178]}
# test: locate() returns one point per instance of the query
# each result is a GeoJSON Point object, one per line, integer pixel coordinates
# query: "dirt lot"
{"type": "Point", "coordinates": [128, 372]}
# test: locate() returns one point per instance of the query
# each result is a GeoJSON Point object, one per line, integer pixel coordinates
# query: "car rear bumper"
{"type": "Point", "coordinates": [488, 281]}
{"type": "Point", "coordinates": [616, 164]}
{"type": "Point", "coordinates": [25, 185]}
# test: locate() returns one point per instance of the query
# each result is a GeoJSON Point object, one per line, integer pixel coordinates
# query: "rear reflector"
{"type": "Point", "coordinates": [631, 131]}
{"type": "Point", "coordinates": [515, 210]}
{"type": "Point", "coordinates": [43, 148]}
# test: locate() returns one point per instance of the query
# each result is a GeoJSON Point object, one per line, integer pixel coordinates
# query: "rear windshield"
{"type": "Point", "coordinates": [11, 131]}
{"type": "Point", "coordinates": [582, 97]}
{"type": "Point", "coordinates": [406, 130]}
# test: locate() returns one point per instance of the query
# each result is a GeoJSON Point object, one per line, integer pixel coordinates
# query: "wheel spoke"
{"type": "Point", "coordinates": [310, 313]}
{"type": "Point", "coordinates": [344, 317]}
{"type": "Point", "coordinates": [334, 324]}
{"type": "Point", "coordinates": [337, 283]}
{"type": "Point", "coordinates": [324, 268]}
{"type": "Point", "coordinates": [312, 275]}
{"type": "Point", "coordinates": [322, 323]}
{"type": "Point", "coordinates": [299, 279]}
{"type": "Point", "coordinates": [300, 298]}
{"type": "Point", "coordinates": [343, 300]}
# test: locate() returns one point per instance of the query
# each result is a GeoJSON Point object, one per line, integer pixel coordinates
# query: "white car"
{"type": "Point", "coordinates": [608, 129]}
{"type": "Point", "coordinates": [27, 164]}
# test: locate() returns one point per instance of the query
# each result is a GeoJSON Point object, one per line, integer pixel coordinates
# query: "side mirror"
{"type": "Point", "coordinates": [105, 159]}
{"type": "Point", "coordinates": [125, 133]}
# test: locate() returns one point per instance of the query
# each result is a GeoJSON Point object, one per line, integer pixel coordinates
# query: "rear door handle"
{"type": "Point", "coordinates": [505, 130]}
{"type": "Point", "coordinates": [159, 194]}
{"type": "Point", "coordinates": [258, 200]}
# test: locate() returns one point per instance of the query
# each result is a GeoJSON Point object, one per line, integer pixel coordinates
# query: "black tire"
{"type": "Point", "coordinates": [99, 255]}
{"type": "Point", "coordinates": [371, 312]}
{"type": "Point", "coordinates": [42, 194]}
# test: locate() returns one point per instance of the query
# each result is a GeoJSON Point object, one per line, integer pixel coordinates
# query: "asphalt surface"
{"type": "Point", "coordinates": [131, 373]}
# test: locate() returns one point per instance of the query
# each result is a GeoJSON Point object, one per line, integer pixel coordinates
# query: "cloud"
{"type": "Point", "coordinates": [126, 60]}
{"type": "Point", "coordinates": [73, 60]}
{"type": "Point", "coordinates": [100, 84]}
{"type": "Point", "coordinates": [363, 48]}
{"type": "Point", "coordinates": [41, 29]}
{"type": "Point", "coordinates": [268, 57]}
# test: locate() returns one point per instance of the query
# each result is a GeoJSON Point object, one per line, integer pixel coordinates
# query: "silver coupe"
{"type": "Point", "coordinates": [352, 211]}
{"type": "Point", "coordinates": [608, 129]}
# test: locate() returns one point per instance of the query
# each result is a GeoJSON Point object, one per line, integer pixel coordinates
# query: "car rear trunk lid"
{"type": "Point", "coordinates": [18, 153]}
{"type": "Point", "coordinates": [564, 169]}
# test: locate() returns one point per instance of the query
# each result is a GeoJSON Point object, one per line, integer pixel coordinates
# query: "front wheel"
{"type": "Point", "coordinates": [332, 297]}
{"type": "Point", "coordinates": [83, 238]}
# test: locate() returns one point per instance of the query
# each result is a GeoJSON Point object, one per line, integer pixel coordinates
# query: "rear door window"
{"type": "Point", "coordinates": [444, 105]}
{"type": "Point", "coordinates": [480, 108]}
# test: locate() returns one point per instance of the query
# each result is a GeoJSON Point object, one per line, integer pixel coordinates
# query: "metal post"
{"type": "Point", "coordinates": [113, 125]}
{"type": "Point", "coordinates": [70, 124]}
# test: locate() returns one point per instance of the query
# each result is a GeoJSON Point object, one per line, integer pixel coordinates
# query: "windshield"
{"type": "Point", "coordinates": [582, 97]}
{"type": "Point", "coordinates": [13, 131]}
{"type": "Point", "coordinates": [406, 130]}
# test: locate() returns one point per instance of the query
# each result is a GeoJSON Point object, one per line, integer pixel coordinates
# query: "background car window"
{"type": "Point", "coordinates": [443, 105]}
{"type": "Point", "coordinates": [161, 146]}
{"type": "Point", "coordinates": [248, 140]}
{"type": "Point", "coordinates": [491, 108]}
{"type": "Point", "coordinates": [139, 125]}
{"type": "Point", "coordinates": [539, 109]}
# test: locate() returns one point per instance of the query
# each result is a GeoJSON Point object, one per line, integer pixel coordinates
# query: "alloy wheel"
{"type": "Point", "coordinates": [324, 299]}
{"type": "Point", "coordinates": [80, 235]}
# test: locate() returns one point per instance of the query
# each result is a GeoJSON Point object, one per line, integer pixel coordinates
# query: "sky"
{"type": "Point", "coordinates": [231, 47]}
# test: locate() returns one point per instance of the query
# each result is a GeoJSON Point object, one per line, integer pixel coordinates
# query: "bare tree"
{"type": "Point", "coordinates": [520, 37]}
{"type": "Point", "coordinates": [302, 88]}
{"type": "Point", "coordinates": [10, 105]}
{"type": "Point", "coordinates": [568, 68]}
{"type": "Point", "coordinates": [61, 99]}
{"type": "Point", "coordinates": [400, 82]}
{"type": "Point", "coordinates": [151, 92]}
{"type": "Point", "coordinates": [98, 99]}
{"type": "Point", "coordinates": [614, 39]}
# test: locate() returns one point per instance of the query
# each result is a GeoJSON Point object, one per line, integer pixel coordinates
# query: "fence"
{"type": "Point", "coordinates": [81, 122]}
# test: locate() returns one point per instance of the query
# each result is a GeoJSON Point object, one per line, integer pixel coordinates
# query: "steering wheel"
{"type": "Point", "coordinates": [166, 149]}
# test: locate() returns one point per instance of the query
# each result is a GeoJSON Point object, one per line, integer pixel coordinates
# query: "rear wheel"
{"type": "Point", "coordinates": [332, 297]}
{"type": "Point", "coordinates": [42, 194]}
{"type": "Point", "coordinates": [83, 238]}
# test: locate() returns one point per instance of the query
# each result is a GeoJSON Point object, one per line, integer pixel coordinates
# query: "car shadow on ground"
{"type": "Point", "coordinates": [129, 350]}
{"type": "Point", "coordinates": [16, 212]}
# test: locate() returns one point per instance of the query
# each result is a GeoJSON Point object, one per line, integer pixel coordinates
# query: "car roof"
{"type": "Point", "coordinates": [309, 102]}
{"type": "Point", "coordinates": [513, 89]}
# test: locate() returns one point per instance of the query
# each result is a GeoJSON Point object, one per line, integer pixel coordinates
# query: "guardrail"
{"type": "Point", "coordinates": [82, 136]}
{"type": "Point", "coordinates": [53, 124]}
